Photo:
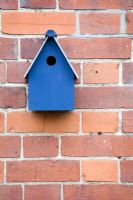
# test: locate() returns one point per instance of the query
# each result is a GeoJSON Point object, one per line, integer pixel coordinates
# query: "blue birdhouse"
{"type": "Point", "coordinates": [51, 78]}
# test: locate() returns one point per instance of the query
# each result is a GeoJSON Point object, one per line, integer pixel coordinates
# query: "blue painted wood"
{"type": "Point", "coordinates": [50, 88]}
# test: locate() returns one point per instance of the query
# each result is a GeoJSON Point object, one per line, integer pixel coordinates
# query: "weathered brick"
{"type": "Point", "coordinates": [41, 192]}
{"type": "Point", "coordinates": [93, 47]}
{"type": "Point", "coordinates": [37, 4]}
{"type": "Point", "coordinates": [128, 73]}
{"type": "Point", "coordinates": [29, 47]}
{"type": "Point", "coordinates": [109, 191]}
{"type": "Point", "coordinates": [129, 23]}
{"type": "Point", "coordinates": [8, 4]}
{"type": "Point", "coordinates": [100, 73]}
{"type": "Point", "coordinates": [2, 72]}
{"type": "Point", "coordinates": [1, 172]}
{"type": "Point", "coordinates": [40, 171]}
{"type": "Point", "coordinates": [96, 146]}
{"type": "Point", "coordinates": [11, 192]}
{"type": "Point", "coordinates": [99, 23]}
{"type": "Point", "coordinates": [16, 71]}
{"type": "Point", "coordinates": [25, 122]}
{"type": "Point", "coordinates": [62, 122]}
{"type": "Point", "coordinates": [100, 170]}
{"type": "Point", "coordinates": [127, 122]}
{"type": "Point", "coordinates": [40, 146]}
{"type": "Point", "coordinates": [126, 167]}
{"type": "Point", "coordinates": [100, 122]}
{"type": "Point", "coordinates": [104, 97]}
{"type": "Point", "coordinates": [38, 23]}
{"type": "Point", "coordinates": [2, 122]}
{"type": "Point", "coordinates": [10, 147]}
{"type": "Point", "coordinates": [8, 48]}
{"type": "Point", "coordinates": [97, 47]}
{"type": "Point", "coordinates": [98, 4]}
{"type": "Point", "coordinates": [12, 97]}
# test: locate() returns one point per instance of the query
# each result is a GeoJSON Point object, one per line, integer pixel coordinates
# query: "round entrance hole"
{"type": "Point", "coordinates": [51, 60]}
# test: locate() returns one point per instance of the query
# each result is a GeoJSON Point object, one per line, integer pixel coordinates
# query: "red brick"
{"type": "Point", "coordinates": [16, 71]}
{"type": "Point", "coordinates": [25, 122]}
{"type": "Point", "coordinates": [10, 147]}
{"type": "Point", "coordinates": [38, 4]}
{"type": "Point", "coordinates": [128, 73]}
{"type": "Point", "coordinates": [100, 170]}
{"type": "Point", "coordinates": [62, 122]}
{"type": "Point", "coordinates": [41, 192]}
{"type": "Point", "coordinates": [12, 97]}
{"type": "Point", "coordinates": [2, 72]}
{"type": "Point", "coordinates": [93, 47]}
{"type": "Point", "coordinates": [29, 47]}
{"type": "Point", "coordinates": [97, 47]}
{"type": "Point", "coordinates": [126, 170]}
{"type": "Point", "coordinates": [38, 22]}
{"type": "Point", "coordinates": [104, 97]}
{"type": "Point", "coordinates": [2, 122]}
{"type": "Point", "coordinates": [8, 48]}
{"type": "Point", "coordinates": [96, 146]}
{"type": "Point", "coordinates": [100, 122]}
{"type": "Point", "coordinates": [129, 23]}
{"type": "Point", "coordinates": [100, 73]}
{"type": "Point", "coordinates": [127, 122]}
{"type": "Point", "coordinates": [99, 23]}
{"type": "Point", "coordinates": [10, 192]}
{"type": "Point", "coordinates": [109, 191]}
{"type": "Point", "coordinates": [8, 4]}
{"type": "Point", "coordinates": [98, 4]}
{"type": "Point", "coordinates": [41, 171]}
{"type": "Point", "coordinates": [40, 146]}
{"type": "Point", "coordinates": [1, 172]}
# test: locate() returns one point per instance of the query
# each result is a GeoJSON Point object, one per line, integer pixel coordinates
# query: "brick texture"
{"type": "Point", "coordinates": [36, 23]}
{"type": "Point", "coordinates": [2, 72]}
{"type": "Point", "coordinates": [37, 4]}
{"type": "Point", "coordinates": [16, 71]}
{"type": "Point", "coordinates": [100, 170]}
{"type": "Point", "coordinates": [104, 97]}
{"type": "Point", "coordinates": [100, 122]}
{"type": "Point", "coordinates": [8, 4]}
{"type": "Point", "coordinates": [10, 192]}
{"type": "Point", "coordinates": [10, 147]}
{"type": "Point", "coordinates": [122, 192]}
{"type": "Point", "coordinates": [40, 171]}
{"type": "Point", "coordinates": [8, 48]}
{"type": "Point", "coordinates": [127, 122]}
{"type": "Point", "coordinates": [129, 21]}
{"type": "Point", "coordinates": [111, 47]}
{"type": "Point", "coordinates": [100, 23]}
{"type": "Point", "coordinates": [86, 153]}
{"type": "Point", "coordinates": [128, 73]}
{"type": "Point", "coordinates": [126, 170]}
{"type": "Point", "coordinates": [40, 146]}
{"type": "Point", "coordinates": [2, 122]}
{"type": "Point", "coordinates": [97, 73]}
{"type": "Point", "coordinates": [12, 97]}
{"type": "Point", "coordinates": [99, 4]}
{"type": "Point", "coordinates": [41, 192]}
{"type": "Point", "coordinates": [97, 146]}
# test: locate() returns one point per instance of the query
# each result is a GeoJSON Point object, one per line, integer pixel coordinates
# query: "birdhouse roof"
{"type": "Point", "coordinates": [51, 33]}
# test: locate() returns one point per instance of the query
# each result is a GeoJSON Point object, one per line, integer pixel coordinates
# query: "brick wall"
{"type": "Point", "coordinates": [82, 155]}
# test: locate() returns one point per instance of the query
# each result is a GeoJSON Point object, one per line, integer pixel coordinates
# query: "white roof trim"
{"type": "Point", "coordinates": [75, 73]}
{"type": "Point", "coordinates": [26, 73]}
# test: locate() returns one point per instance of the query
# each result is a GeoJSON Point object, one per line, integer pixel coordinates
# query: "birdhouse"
{"type": "Point", "coordinates": [51, 78]}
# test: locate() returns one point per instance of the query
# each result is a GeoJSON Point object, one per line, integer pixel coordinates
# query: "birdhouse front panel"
{"type": "Point", "coordinates": [50, 80]}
